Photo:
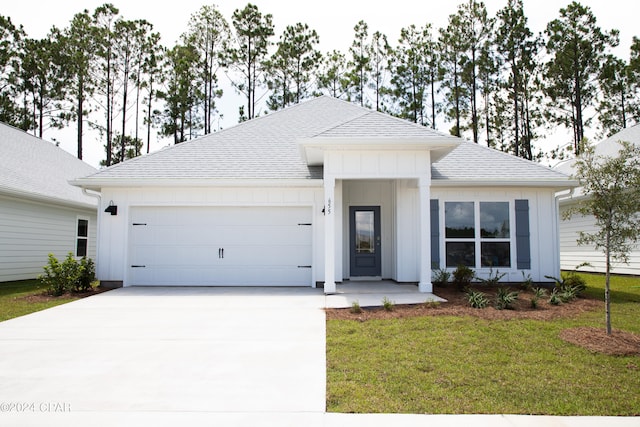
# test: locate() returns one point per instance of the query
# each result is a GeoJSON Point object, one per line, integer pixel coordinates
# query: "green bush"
{"type": "Point", "coordinates": [68, 275]}
{"type": "Point", "coordinates": [355, 307]}
{"type": "Point", "coordinates": [537, 294]}
{"type": "Point", "coordinates": [462, 277]}
{"type": "Point", "coordinates": [440, 277]}
{"type": "Point", "coordinates": [477, 299]}
{"type": "Point", "coordinates": [527, 282]}
{"type": "Point", "coordinates": [505, 299]}
{"type": "Point", "coordinates": [493, 279]}
{"type": "Point", "coordinates": [554, 298]}
{"type": "Point", "coordinates": [87, 276]}
{"type": "Point", "coordinates": [570, 284]}
{"type": "Point", "coordinates": [387, 304]}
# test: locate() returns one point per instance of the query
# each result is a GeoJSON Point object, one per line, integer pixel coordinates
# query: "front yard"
{"type": "Point", "coordinates": [469, 364]}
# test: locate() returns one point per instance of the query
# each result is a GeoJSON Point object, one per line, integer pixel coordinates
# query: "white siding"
{"type": "Point", "coordinates": [572, 255]}
{"type": "Point", "coordinates": [543, 219]}
{"type": "Point", "coordinates": [29, 231]}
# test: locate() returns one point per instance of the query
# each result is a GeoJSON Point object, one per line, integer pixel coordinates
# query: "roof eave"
{"type": "Point", "coordinates": [539, 183]}
{"type": "Point", "coordinates": [96, 184]}
{"type": "Point", "coordinates": [41, 198]}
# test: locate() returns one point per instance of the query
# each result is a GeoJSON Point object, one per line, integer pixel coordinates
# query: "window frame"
{"type": "Point", "coordinates": [478, 240]}
{"type": "Point", "coordinates": [78, 237]}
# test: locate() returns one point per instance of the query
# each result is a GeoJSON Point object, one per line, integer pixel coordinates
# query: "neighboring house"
{"type": "Point", "coordinates": [324, 191]}
{"type": "Point", "coordinates": [572, 255]}
{"type": "Point", "coordinates": [40, 212]}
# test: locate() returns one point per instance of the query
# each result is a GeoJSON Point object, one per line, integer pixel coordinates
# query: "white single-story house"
{"type": "Point", "coordinates": [322, 192]}
{"type": "Point", "coordinates": [40, 212]}
{"type": "Point", "coordinates": [572, 255]}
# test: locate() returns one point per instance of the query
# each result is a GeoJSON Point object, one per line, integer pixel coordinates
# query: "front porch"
{"type": "Point", "coordinates": [372, 293]}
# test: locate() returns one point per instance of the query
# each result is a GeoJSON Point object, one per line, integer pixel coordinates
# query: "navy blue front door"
{"type": "Point", "coordinates": [365, 246]}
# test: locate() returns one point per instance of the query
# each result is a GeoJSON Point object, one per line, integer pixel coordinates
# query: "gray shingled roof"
{"type": "Point", "coordinates": [607, 147]}
{"type": "Point", "coordinates": [33, 168]}
{"type": "Point", "coordinates": [478, 164]}
{"type": "Point", "coordinates": [268, 148]}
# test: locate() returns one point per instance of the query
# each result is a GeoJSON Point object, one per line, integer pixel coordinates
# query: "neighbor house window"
{"type": "Point", "coordinates": [82, 237]}
{"type": "Point", "coordinates": [477, 234]}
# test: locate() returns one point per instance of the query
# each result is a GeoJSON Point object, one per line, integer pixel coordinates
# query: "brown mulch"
{"type": "Point", "coordinates": [45, 297]}
{"type": "Point", "coordinates": [457, 305]}
{"type": "Point", "coordinates": [619, 343]}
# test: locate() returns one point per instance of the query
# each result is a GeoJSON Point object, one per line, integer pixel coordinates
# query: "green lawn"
{"type": "Point", "coordinates": [14, 300]}
{"type": "Point", "coordinates": [467, 365]}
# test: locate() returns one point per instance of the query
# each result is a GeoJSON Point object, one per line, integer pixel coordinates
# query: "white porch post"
{"type": "Point", "coordinates": [329, 236]}
{"type": "Point", "coordinates": [424, 190]}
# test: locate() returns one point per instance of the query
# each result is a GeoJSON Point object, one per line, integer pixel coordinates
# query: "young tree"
{"type": "Point", "coordinates": [253, 32]}
{"type": "Point", "coordinates": [576, 46]}
{"type": "Point", "coordinates": [614, 105]}
{"type": "Point", "coordinates": [380, 51]}
{"type": "Point", "coordinates": [612, 187]}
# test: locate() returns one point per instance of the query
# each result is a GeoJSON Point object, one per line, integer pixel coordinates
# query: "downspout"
{"type": "Point", "coordinates": [558, 196]}
{"type": "Point", "coordinates": [98, 196]}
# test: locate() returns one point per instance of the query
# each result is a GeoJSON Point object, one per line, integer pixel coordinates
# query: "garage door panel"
{"type": "Point", "coordinates": [228, 246]}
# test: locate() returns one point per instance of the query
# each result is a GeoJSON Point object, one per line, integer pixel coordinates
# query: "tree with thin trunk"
{"type": "Point", "coordinates": [576, 46]}
{"type": "Point", "coordinates": [611, 187]}
{"type": "Point", "coordinates": [11, 48]}
{"type": "Point", "coordinates": [360, 64]}
{"type": "Point", "coordinates": [332, 76]}
{"type": "Point", "coordinates": [380, 51]}
{"type": "Point", "coordinates": [251, 41]}
{"type": "Point", "coordinates": [452, 46]}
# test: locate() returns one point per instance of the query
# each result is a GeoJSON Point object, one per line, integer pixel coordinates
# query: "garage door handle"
{"type": "Point", "coordinates": [304, 266]}
{"type": "Point", "coordinates": [138, 266]}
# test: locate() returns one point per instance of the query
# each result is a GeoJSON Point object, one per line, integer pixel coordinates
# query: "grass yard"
{"type": "Point", "coordinates": [464, 364]}
{"type": "Point", "coordinates": [24, 297]}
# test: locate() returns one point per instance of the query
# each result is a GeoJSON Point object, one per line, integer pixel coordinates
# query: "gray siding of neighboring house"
{"type": "Point", "coordinates": [572, 255]}
{"type": "Point", "coordinates": [29, 231]}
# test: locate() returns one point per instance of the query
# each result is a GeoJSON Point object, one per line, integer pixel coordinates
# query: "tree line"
{"type": "Point", "coordinates": [490, 77]}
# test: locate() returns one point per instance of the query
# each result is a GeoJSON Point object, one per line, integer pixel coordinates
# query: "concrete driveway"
{"type": "Point", "coordinates": [133, 355]}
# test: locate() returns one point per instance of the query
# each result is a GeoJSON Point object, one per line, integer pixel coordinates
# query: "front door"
{"type": "Point", "coordinates": [364, 231]}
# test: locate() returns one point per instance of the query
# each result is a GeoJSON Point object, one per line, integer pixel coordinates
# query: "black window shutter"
{"type": "Point", "coordinates": [523, 245]}
{"type": "Point", "coordinates": [435, 234]}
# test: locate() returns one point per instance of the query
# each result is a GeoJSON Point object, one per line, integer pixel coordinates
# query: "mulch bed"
{"type": "Point", "coordinates": [620, 343]}
{"type": "Point", "coordinates": [457, 305]}
{"type": "Point", "coordinates": [45, 297]}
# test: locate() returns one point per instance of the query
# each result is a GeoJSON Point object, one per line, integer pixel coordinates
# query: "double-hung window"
{"type": "Point", "coordinates": [82, 237]}
{"type": "Point", "coordinates": [477, 234]}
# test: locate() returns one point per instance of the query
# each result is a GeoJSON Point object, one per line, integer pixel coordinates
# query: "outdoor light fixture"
{"type": "Point", "coordinates": [112, 209]}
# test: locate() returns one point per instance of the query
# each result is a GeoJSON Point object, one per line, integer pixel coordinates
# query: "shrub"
{"type": "Point", "coordinates": [537, 294]}
{"type": "Point", "coordinates": [87, 276]}
{"type": "Point", "coordinates": [462, 277]}
{"type": "Point", "coordinates": [387, 304]}
{"type": "Point", "coordinates": [355, 307]}
{"type": "Point", "coordinates": [477, 299]}
{"type": "Point", "coordinates": [570, 282]}
{"type": "Point", "coordinates": [527, 282]}
{"type": "Point", "coordinates": [431, 303]}
{"type": "Point", "coordinates": [440, 277]}
{"type": "Point", "coordinates": [505, 299]}
{"type": "Point", "coordinates": [60, 277]}
{"type": "Point", "coordinates": [493, 279]}
{"type": "Point", "coordinates": [554, 298]}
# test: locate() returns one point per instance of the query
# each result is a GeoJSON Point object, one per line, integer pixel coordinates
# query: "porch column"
{"type": "Point", "coordinates": [424, 189]}
{"type": "Point", "coordinates": [329, 236]}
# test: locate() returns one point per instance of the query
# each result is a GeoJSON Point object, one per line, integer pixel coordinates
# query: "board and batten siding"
{"type": "Point", "coordinates": [29, 231]}
{"type": "Point", "coordinates": [572, 255]}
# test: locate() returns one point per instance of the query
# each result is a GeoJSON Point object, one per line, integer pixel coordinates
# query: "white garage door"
{"type": "Point", "coordinates": [220, 246]}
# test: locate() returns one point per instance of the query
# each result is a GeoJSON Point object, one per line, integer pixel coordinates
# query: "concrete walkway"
{"type": "Point", "coordinates": [192, 357]}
